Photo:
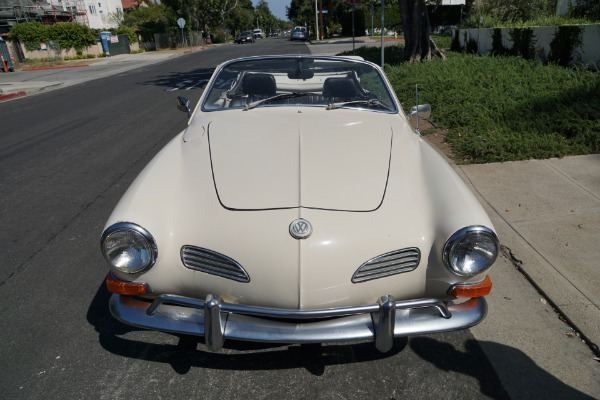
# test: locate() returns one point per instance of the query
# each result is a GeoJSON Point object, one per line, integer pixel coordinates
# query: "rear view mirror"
{"type": "Point", "coordinates": [183, 104]}
{"type": "Point", "coordinates": [301, 74]}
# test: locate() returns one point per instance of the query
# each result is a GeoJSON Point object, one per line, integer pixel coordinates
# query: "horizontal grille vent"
{"type": "Point", "coordinates": [395, 262]}
{"type": "Point", "coordinates": [213, 263]}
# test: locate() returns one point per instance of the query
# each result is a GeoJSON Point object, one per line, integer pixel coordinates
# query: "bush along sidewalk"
{"type": "Point", "coordinates": [68, 35]}
{"type": "Point", "coordinates": [501, 108]}
{"type": "Point", "coordinates": [506, 108]}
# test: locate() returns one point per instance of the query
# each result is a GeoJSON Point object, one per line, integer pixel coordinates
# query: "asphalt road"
{"type": "Point", "coordinates": [66, 157]}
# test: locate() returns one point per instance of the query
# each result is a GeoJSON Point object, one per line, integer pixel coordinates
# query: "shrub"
{"type": "Point", "coordinates": [455, 45]}
{"type": "Point", "coordinates": [392, 54]}
{"type": "Point", "coordinates": [562, 47]}
{"type": "Point", "coordinates": [505, 108]}
{"type": "Point", "coordinates": [30, 33]}
{"type": "Point", "coordinates": [127, 30]}
{"type": "Point", "coordinates": [498, 48]}
{"type": "Point", "coordinates": [218, 36]}
{"type": "Point", "coordinates": [523, 43]}
{"type": "Point", "coordinates": [68, 35]}
{"type": "Point", "coordinates": [472, 46]}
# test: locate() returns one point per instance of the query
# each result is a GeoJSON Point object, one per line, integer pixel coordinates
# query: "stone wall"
{"type": "Point", "coordinates": [19, 53]}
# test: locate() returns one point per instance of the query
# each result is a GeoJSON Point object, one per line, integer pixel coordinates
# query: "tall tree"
{"type": "Point", "coordinates": [241, 18]}
{"type": "Point", "coordinates": [301, 12]}
{"type": "Point", "coordinates": [418, 45]}
{"type": "Point", "coordinates": [225, 7]}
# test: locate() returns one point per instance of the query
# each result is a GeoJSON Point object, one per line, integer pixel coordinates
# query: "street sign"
{"type": "Point", "coordinates": [181, 22]}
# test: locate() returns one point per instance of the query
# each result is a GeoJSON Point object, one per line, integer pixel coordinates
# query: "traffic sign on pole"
{"type": "Point", "coordinates": [181, 23]}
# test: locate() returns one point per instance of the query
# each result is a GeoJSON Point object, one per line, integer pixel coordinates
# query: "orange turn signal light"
{"type": "Point", "coordinates": [119, 287]}
{"type": "Point", "coordinates": [473, 290]}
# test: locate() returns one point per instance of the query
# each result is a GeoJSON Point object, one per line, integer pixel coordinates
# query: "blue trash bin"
{"type": "Point", "coordinates": [105, 38]}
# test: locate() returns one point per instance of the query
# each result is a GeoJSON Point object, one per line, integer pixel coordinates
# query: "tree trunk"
{"type": "Point", "coordinates": [418, 45]}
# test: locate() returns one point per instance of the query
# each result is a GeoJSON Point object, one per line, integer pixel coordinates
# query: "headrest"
{"type": "Point", "coordinates": [259, 84]}
{"type": "Point", "coordinates": [341, 87]}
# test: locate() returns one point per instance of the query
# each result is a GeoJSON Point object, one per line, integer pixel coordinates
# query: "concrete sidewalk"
{"type": "Point", "coordinates": [547, 214]}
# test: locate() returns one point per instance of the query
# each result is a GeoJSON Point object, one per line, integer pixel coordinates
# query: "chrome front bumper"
{"type": "Point", "coordinates": [217, 320]}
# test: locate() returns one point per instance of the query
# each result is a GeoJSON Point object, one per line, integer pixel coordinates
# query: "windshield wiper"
{"type": "Point", "coordinates": [282, 96]}
{"type": "Point", "coordinates": [371, 102]}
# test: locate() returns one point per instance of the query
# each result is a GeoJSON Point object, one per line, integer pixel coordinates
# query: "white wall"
{"type": "Point", "coordinates": [589, 50]}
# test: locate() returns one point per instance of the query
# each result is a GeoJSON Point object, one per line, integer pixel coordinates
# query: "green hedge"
{"type": "Point", "coordinates": [68, 35]}
{"type": "Point", "coordinates": [506, 108]}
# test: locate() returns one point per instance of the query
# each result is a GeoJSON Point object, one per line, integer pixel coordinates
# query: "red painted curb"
{"type": "Point", "coordinates": [65, 66]}
{"type": "Point", "coordinates": [12, 95]}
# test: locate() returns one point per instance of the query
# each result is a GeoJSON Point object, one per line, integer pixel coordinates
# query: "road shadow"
{"type": "Point", "coordinates": [182, 81]}
{"type": "Point", "coordinates": [184, 352]}
{"type": "Point", "coordinates": [520, 371]}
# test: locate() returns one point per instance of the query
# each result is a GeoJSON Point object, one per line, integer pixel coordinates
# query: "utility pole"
{"type": "Point", "coordinates": [317, 19]}
{"type": "Point", "coordinates": [382, 14]}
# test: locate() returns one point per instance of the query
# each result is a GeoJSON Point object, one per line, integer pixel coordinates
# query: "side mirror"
{"type": "Point", "coordinates": [424, 111]}
{"type": "Point", "coordinates": [183, 104]}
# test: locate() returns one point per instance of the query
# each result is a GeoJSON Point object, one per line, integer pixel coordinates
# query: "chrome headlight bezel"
{"type": "Point", "coordinates": [138, 239]}
{"type": "Point", "coordinates": [484, 255]}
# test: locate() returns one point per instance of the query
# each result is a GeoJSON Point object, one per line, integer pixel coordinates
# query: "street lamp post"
{"type": "Point", "coordinates": [317, 19]}
{"type": "Point", "coordinates": [382, 29]}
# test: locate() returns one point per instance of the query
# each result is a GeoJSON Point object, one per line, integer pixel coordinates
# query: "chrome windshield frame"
{"type": "Point", "coordinates": [215, 77]}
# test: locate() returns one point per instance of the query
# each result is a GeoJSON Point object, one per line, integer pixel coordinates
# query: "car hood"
{"type": "Point", "coordinates": [174, 199]}
{"type": "Point", "coordinates": [276, 158]}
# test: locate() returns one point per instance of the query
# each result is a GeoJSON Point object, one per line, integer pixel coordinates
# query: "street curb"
{"type": "Point", "coordinates": [61, 67]}
{"type": "Point", "coordinates": [12, 95]}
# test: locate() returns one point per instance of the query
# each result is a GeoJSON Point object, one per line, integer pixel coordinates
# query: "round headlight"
{"type": "Point", "coordinates": [128, 247]}
{"type": "Point", "coordinates": [471, 250]}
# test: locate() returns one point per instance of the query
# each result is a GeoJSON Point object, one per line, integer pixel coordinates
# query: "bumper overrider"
{"type": "Point", "coordinates": [217, 320]}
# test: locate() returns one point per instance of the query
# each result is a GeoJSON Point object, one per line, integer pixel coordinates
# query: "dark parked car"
{"type": "Point", "coordinates": [244, 37]}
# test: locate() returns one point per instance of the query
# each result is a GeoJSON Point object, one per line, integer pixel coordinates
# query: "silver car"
{"type": "Point", "coordinates": [298, 33]}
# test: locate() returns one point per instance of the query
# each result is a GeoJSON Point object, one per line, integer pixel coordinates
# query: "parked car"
{"type": "Point", "coordinates": [299, 206]}
{"type": "Point", "coordinates": [298, 33]}
{"type": "Point", "coordinates": [258, 34]}
{"type": "Point", "coordinates": [245, 37]}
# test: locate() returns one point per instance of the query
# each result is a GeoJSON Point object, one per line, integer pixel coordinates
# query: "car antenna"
{"type": "Point", "coordinates": [417, 94]}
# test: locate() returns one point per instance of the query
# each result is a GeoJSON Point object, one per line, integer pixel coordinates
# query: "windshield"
{"type": "Point", "coordinates": [331, 83]}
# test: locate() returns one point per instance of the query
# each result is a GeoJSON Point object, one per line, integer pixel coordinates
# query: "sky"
{"type": "Point", "coordinates": [277, 7]}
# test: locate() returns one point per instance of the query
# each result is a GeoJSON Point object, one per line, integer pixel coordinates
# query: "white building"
{"type": "Point", "coordinates": [99, 12]}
